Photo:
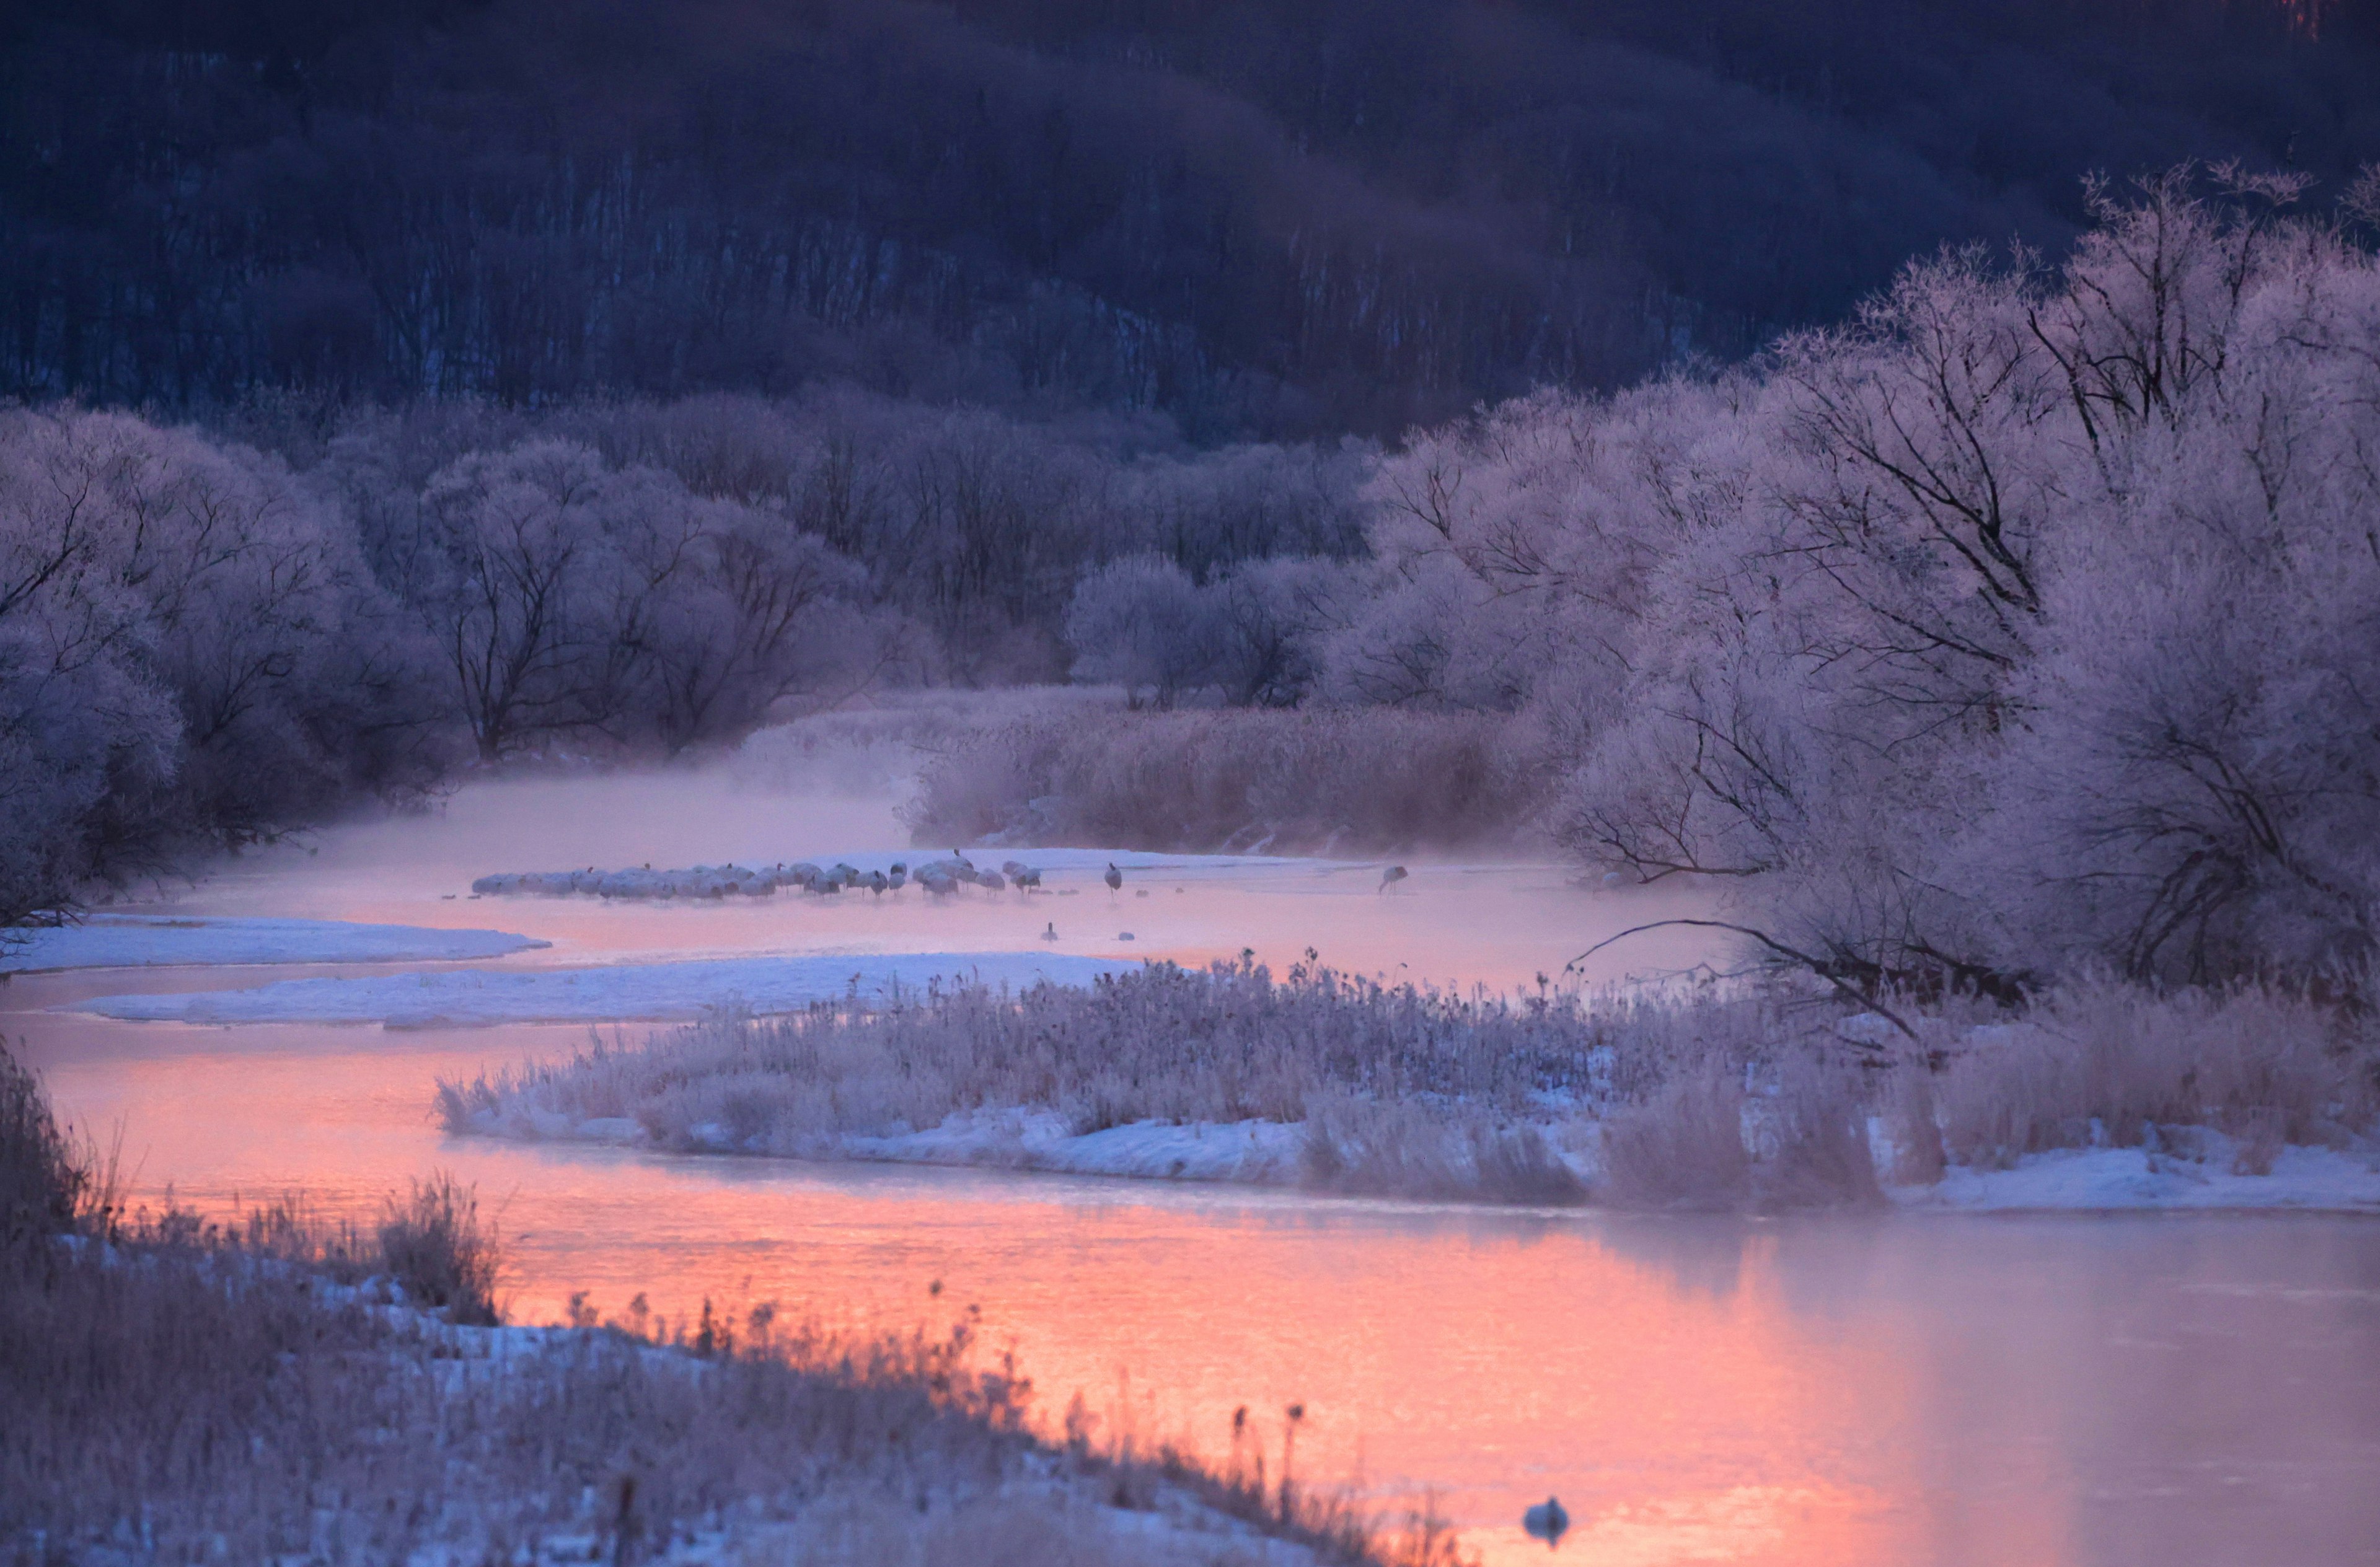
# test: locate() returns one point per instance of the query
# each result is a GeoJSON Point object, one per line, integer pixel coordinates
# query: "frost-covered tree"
{"type": "Point", "coordinates": [1143, 624]}
{"type": "Point", "coordinates": [568, 596]}
{"type": "Point", "coordinates": [190, 649]}
{"type": "Point", "coordinates": [2023, 621]}
{"type": "Point", "coordinates": [510, 595]}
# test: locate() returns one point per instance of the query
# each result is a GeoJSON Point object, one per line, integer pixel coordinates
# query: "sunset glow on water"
{"type": "Point", "coordinates": [1878, 1389]}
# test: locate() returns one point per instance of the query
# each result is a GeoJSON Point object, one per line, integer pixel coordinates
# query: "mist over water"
{"type": "Point", "coordinates": [1456, 923]}
{"type": "Point", "coordinates": [1861, 1390]}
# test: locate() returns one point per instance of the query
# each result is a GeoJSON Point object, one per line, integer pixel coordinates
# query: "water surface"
{"type": "Point", "coordinates": [1840, 1391]}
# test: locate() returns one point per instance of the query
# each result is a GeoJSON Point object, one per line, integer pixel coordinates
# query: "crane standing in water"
{"type": "Point", "coordinates": [1391, 877]}
{"type": "Point", "coordinates": [1114, 878]}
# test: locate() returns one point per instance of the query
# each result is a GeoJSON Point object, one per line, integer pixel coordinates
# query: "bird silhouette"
{"type": "Point", "coordinates": [1547, 1523]}
{"type": "Point", "coordinates": [1052, 932]}
{"type": "Point", "coordinates": [1391, 877]}
{"type": "Point", "coordinates": [1114, 878]}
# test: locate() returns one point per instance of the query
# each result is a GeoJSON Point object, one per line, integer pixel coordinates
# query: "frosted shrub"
{"type": "Point", "coordinates": [1141, 622]}
{"type": "Point", "coordinates": [1684, 1146]}
{"type": "Point", "coordinates": [1355, 1144]}
{"type": "Point", "coordinates": [2107, 1063]}
{"type": "Point", "coordinates": [1810, 1135]}
{"type": "Point", "coordinates": [435, 1246]}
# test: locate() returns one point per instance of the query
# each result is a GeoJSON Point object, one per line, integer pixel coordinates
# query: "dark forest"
{"type": "Point", "coordinates": [1271, 218]}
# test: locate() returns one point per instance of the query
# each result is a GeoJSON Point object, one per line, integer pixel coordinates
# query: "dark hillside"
{"type": "Point", "coordinates": [1277, 216]}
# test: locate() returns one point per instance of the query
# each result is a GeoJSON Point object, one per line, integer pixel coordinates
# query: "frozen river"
{"type": "Point", "coordinates": [1886, 1389]}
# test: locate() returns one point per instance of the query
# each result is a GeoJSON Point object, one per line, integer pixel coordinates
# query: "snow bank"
{"type": "Point", "coordinates": [659, 992]}
{"type": "Point", "coordinates": [2109, 1179]}
{"type": "Point", "coordinates": [1257, 1152]}
{"type": "Point", "coordinates": [1270, 1154]}
{"type": "Point", "coordinates": [141, 940]}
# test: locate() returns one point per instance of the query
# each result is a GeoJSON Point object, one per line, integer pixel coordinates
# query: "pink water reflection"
{"type": "Point", "coordinates": [1844, 1392]}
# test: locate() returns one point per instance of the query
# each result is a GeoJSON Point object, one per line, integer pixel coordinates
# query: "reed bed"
{"type": "Point", "coordinates": [1758, 1097]}
{"type": "Point", "coordinates": [1317, 780]}
{"type": "Point", "coordinates": [1398, 1089]}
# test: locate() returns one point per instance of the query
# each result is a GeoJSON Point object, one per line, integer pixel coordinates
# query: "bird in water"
{"type": "Point", "coordinates": [1050, 933]}
{"type": "Point", "coordinates": [1114, 878]}
{"type": "Point", "coordinates": [1547, 1523]}
{"type": "Point", "coordinates": [1391, 877]}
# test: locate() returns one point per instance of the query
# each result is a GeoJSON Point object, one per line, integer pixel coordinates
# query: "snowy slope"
{"type": "Point", "coordinates": [141, 940]}
{"type": "Point", "coordinates": [642, 991]}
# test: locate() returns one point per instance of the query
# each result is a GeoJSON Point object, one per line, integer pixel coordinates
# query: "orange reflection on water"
{"type": "Point", "coordinates": [1825, 1392]}
{"type": "Point", "coordinates": [1839, 1392]}
{"type": "Point", "coordinates": [1488, 1357]}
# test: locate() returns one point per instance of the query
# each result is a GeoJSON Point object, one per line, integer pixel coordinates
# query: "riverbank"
{"type": "Point", "coordinates": [186, 1390]}
{"type": "Point", "coordinates": [2199, 1175]}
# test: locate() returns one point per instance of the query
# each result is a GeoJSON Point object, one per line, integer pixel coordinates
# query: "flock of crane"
{"type": "Point", "coordinates": [941, 877]}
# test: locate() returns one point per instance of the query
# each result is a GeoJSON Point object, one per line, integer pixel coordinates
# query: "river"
{"type": "Point", "coordinates": [1849, 1390]}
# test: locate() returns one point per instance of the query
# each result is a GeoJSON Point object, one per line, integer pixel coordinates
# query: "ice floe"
{"type": "Point", "coordinates": [141, 940]}
{"type": "Point", "coordinates": [647, 992]}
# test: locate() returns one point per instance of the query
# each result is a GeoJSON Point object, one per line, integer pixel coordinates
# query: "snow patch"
{"type": "Point", "coordinates": [2100, 1179]}
{"type": "Point", "coordinates": [1260, 1152]}
{"type": "Point", "coordinates": [1257, 1152]}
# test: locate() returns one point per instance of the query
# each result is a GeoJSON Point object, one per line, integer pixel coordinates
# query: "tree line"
{"type": "Point", "coordinates": [211, 635]}
{"type": "Point", "coordinates": [2025, 623]}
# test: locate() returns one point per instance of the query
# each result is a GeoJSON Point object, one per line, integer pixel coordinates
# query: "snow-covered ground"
{"type": "Point", "coordinates": [142, 941]}
{"type": "Point", "coordinates": [643, 992]}
{"type": "Point", "coordinates": [2112, 1179]}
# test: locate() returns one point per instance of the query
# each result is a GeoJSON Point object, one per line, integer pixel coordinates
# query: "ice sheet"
{"type": "Point", "coordinates": [653, 992]}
